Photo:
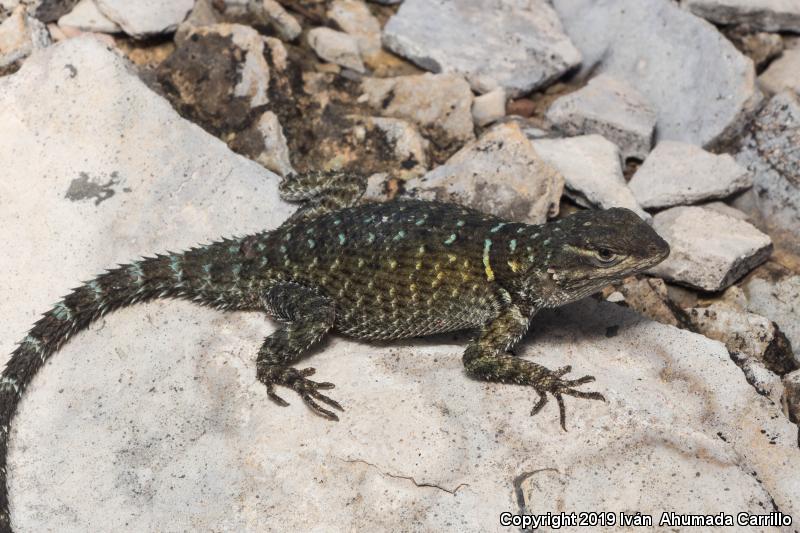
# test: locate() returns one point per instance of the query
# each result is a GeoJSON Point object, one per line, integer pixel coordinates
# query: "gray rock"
{"type": "Point", "coordinates": [336, 47]}
{"type": "Point", "coordinates": [746, 335]}
{"type": "Point", "coordinates": [87, 17]}
{"type": "Point", "coordinates": [772, 154]}
{"type": "Point", "coordinates": [778, 300]}
{"type": "Point", "coordinates": [272, 13]}
{"type": "Point", "coordinates": [611, 108]}
{"type": "Point", "coordinates": [709, 250]}
{"type": "Point", "coordinates": [650, 297]}
{"type": "Point", "coordinates": [677, 173]}
{"type": "Point", "coordinates": [518, 46]}
{"type": "Point", "coordinates": [500, 173]}
{"type": "Point", "coordinates": [782, 74]}
{"type": "Point", "coordinates": [725, 209]}
{"type": "Point", "coordinates": [440, 104]}
{"type": "Point", "coordinates": [275, 155]}
{"type": "Point", "coordinates": [592, 171]}
{"type": "Point", "coordinates": [410, 148]}
{"type": "Point", "coordinates": [146, 18]}
{"type": "Point", "coordinates": [764, 15]}
{"type": "Point", "coordinates": [653, 45]}
{"type": "Point", "coordinates": [791, 395]}
{"type": "Point", "coordinates": [355, 18]}
{"type": "Point", "coordinates": [489, 107]}
{"type": "Point", "coordinates": [20, 35]}
{"type": "Point", "coordinates": [45, 10]}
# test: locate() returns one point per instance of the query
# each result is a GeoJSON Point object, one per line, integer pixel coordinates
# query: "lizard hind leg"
{"type": "Point", "coordinates": [306, 317]}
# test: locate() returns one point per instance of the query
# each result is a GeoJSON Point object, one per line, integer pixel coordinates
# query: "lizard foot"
{"type": "Point", "coordinates": [548, 381]}
{"type": "Point", "coordinates": [308, 390]}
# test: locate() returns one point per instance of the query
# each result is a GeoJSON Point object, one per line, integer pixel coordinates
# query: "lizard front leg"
{"type": "Point", "coordinates": [486, 358]}
{"type": "Point", "coordinates": [306, 318]}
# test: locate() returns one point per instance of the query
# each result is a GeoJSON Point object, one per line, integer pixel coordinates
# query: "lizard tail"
{"type": "Point", "coordinates": [161, 276]}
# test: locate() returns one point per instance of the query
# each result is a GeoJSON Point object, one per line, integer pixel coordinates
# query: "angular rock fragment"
{"type": "Point", "coordinates": [761, 47]}
{"type": "Point", "coordinates": [20, 35]}
{"type": "Point", "coordinates": [592, 171]}
{"type": "Point", "coordinates": [271, 13]}
{"type": "Point", "coordinates": [700, 98]}
{"type": "Point", "coordinates": [611, 108]}
{"type": "Point", "coordinates": [791, 395]}
{"type": "Point", "coordinates": [46, 10]}
{"type": "Point", "coordinates": [764, 15]}
{"type": "Point", "coordinates": [355, 18]}
{"type": "Point", "coordinates": [783, 73]}
{"type": "Point", "coordinates": [489, 107]}
{"type": "Point", "coordinates": [649, 297]}
{"type": "Point", "coordinates": [514, 45]}
{"type": "Point", "coordinates": [709, 250]}
{"type": "Point", "coordinates": [265, 143]}
{"type": "Point", "coordinates": [746, 334]}
{"type": "Point", "coordinates": [87, 17]}
{"type": "Point", "coordinates": [677, 173]}
{"type": "Point", "coordinates": [410, 148]}
{"type": "Point", "coordinates": [146, 18]}
{"type": "Point", "coordinates": [336, 47]}
{"type": "Point", "coordinates": [777, 298]}
{"type": "Point", "coordinates": [218, 75]}
{"type": "Point", "coordinates": [500, 173]}
{"type": "Point", "coordinates": [440, 104]}
{"type": "Point", "coordinates": [772, 153]}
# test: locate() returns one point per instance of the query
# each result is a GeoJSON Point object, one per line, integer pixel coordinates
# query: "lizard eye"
{"type": "Point", "coordinates": [605, 256]}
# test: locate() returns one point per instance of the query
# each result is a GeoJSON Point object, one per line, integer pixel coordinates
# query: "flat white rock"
{"type": "Point", "coordinates": [763, 15]}
{"type": "Point", "coordinates": [489, 107]}
{"type": "Point", "coordinates": [20, 35]}
{"type": "Point", "coordinates": [146, 18]}
{"type": "Point", "coordinates": [499, 173]}
{"type": "Point", "coordinates": [87, 16]}
{"type": "Point", "coordinates": [783, 73]}
{"type": "Point", "coordinates": [337, 47]}
{"type": "Point", "coordinates": [708, 250]}
{"type": "Point", "coordinates": [677, 173]}
{"type": "Point", "coordinates": [653, 45]}
{"type": "Point", "coordinates": [519, 46]}
{"type": "Point", "coordinates": [592, 171]}
{"type": "Point", "coordinates": [611, 108]}
{"type": "Point", "coordinates": [355, 18]}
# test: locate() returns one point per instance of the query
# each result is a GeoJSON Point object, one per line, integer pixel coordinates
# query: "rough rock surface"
{"type": "Point", "coordinates": [779, 300]}
{"type": "Point", "coordinates": [791, 397]}
{"type": "Point", "coordinates": [440, 104]}
{"type": "Point", "coordinates": [275, 154]}
{"type": "Point", "coordinates": [410, 148]}
{"type": "Point", "coordinates": [46, 10]}
{"type": "Point", "coordinates": [746, 334]}
{"type": "Point", "coordinates": [87, 16]}
{"type": "Point", "coordinates": [500, 173]}
{"type": "Point", "coordinates": [709, 250]}
{"type": "Point", "coordinates": [772, 154]}
{"type": "Point", "coordinates": [765, 15]}
{"type": "Point", "coordinates": [336, 47]}
{"type": "Point", "coordinates": [677, 173]}
{"type": "Point", "coordinates": [700, 98]}
{"type": "Point", "coordinates": [611, 108]}
{"type": "Point", "coordinates": [783, 73]}
{"type": "Point", "coordinates": [146, 18]}
{"type": "Point", "coordinates": [592, 171]}
{"type": "Point", "coordinates": [20, 35]}
{"type": "Point", "coordinates": [272, 13]}
{"type": "Point", "coordinates": [514, 45]}
{"type": "Point", "coordinates": [489, 107]}
{"type": "Point", "coordinates": [648, 296]}
{"type": "Point", "coordinates": [355, 18]}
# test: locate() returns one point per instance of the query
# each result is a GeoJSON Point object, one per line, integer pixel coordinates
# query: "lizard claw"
{"type": "Point", "coordinates": [308, 390]}
{"type": "Point", "coordinates": [558, 388]}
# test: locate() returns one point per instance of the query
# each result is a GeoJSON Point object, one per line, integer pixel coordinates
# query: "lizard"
{"type": "Point", "coordinates": [372, 271]}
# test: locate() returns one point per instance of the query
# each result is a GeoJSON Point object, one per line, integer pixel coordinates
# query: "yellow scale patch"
{"type": "Point", "coordinates": [487, 245]}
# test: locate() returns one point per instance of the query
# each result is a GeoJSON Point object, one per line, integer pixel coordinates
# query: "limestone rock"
{"type": "Point", "coordinates": [489, 107]}
{"type": "Point", "coordinates": [218, 75]}
{"type": "Point", "coordinates": [611, 108]}
{"type": "Point", "coordinates": [791, 396]}
{"type": "Point", "coordinates": [500, 173]}
{"type": "Point", "coordinates": [709, 250]}
{"type": "Point", "coordinates": [146, 18]}
{"type": "Point", "coordinates": [764, 15]}
{"type": "Point", "coordinates": [747, 334]}
{"type": "Point", "coordinates": [677, 173]}
{"type": "Point", "coordinates": [648, 296]}
{"type": "Point", "coordinates": [779, 300]}
{"type": "Point", "coordinates": [87, 17]}
{"type": "Point", "coordinates": [772, 154]}
{"type": "Point", "coordinates": [783, 73]}
{"type": "Point", "coordinates": [46, 10]}
{"type": "Point", "coordinates": [440, 104]}
{"type": "Point", "coordinates": [653, 46]}
{"type": "Point", "coordinates": [20, 35]}
{"type": "Point", "coordinates": [409, 147]}
{"type": "Point", "coordinates": [519, 46]}
{"type": "Point", "coordinates": [355, 18]}
{"type": "Point", "coordinates": [275, 153]}
{"type": "Point", "coordinates": [336, 47]}
{"type": "Point", "coordinates": [592, 171]}
{"type": "Point", "coordinates": [272, 13]}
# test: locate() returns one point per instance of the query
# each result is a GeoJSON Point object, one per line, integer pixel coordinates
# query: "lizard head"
{"type": "Point", "coordinates": [586, 251]}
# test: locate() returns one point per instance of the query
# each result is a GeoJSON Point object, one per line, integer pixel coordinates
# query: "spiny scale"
{"type": "Point", "coordinates": [381, 271]}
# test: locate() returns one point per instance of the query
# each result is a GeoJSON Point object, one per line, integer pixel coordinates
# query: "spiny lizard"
{"type": "Point", "coordinates": [371, 271]}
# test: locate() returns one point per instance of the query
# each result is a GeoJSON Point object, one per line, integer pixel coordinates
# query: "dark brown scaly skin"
{"type": "Point", "coordinates": [379, 271]}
